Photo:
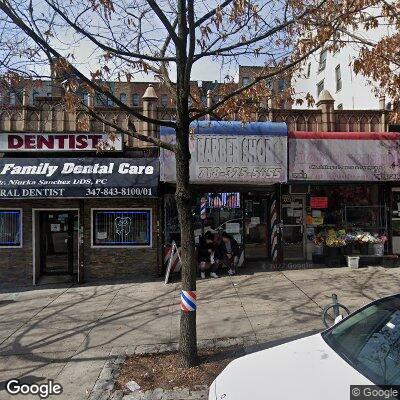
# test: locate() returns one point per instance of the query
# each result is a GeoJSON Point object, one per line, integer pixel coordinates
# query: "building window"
{"type": "Point", "coordinates": [338, 76]}
{"type": "Point", "coordinates": [281, 85]}
{"type": "Point", "coordinates": [245, 81]}
{"type": "Point", "coordinates": [203, 99]}
{"type": "Point", "coordinates": [10, 228]}
{"type": "Point", "coordinates": [135, 100]}
{"type": "Point", "coordinates": [110, 103]}
{"type": "Point", "coordinates": [123, 98]}
{"type": "Point", "coordinates": [34, 96]}
{"type": "Point", "coordinates": [13, 99]}
{"type": "Point", "coordinates": [340, 106]}
{"type": "Point", "coordinates": [320, 88]}
{"type": "Point", "coordinates": [85, 98]}
{"type": "Point", "coordinates": [121, 228]}
{"type": "Point", "coordinates": [322, 60]}
{"type": "Point", "coordinates": [101, 100]}
{"type": "Point", "coordinates": [309, 70]}
{"type": "Point", "coordinates": [164, 100]}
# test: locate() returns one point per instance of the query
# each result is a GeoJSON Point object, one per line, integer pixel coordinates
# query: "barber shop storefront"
{"type": "Point", "coordinates": [234, 170]}
{"type": "Point", "coordinates": [74, 216]}
{"type": "Point", "coordinates": [340, 200]}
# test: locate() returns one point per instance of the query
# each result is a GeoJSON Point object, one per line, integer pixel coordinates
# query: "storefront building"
{"type": "Point", "coordinates": [234, 171]}
{"type": "Point", "coordinates": [341, 197]}
{"type": "Point", "coordinates": [67, 210]}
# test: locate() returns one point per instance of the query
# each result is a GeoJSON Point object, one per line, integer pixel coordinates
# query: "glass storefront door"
{"type": "Point", "coordinates": [256, 227]}
{"type": "Point", "coordinates": [293, 235]}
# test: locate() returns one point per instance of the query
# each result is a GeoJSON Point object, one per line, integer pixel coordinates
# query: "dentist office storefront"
{"type": "Point", "coordinates": [79, 219]}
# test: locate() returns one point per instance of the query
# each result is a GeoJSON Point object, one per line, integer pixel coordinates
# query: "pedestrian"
{"type": "Point", "coordinates": [206, 255]}
{"type": "Point", "coordinates": [230, 252]}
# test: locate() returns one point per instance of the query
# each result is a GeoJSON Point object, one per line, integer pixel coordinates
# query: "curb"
{"type": "Point", "coordinates": [104, 386]}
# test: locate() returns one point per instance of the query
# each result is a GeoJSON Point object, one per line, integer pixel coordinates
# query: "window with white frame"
{"type": "Point", "coordinates": [10, 228]}
{"type": "Point", "coordinates": [322, 60]}
{"type": "Point", "coordinates": [338, 77]}
{"type": "Point", "coordinates": [320, 88]}
{"type": "Point", "coordinates": [121, 228]}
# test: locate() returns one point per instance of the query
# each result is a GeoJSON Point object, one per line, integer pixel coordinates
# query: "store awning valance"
{"type": "Point", "coordinates": [344, 156]}
{"type": "Point", "coordinates": [230, 152]}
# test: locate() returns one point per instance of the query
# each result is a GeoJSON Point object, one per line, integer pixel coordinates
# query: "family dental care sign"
{"type": "Point", "coordinates": [78, 177]}
{"type": "Point", "coordinates": [59, 141]}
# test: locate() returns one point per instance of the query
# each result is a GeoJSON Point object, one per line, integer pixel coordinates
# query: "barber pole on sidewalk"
{"type": "Point", "coordinates": [203, 212]}
{"type": "Point", "coordinates": [172, 260]}
{"type": "Point", "coordinates": [274, 229]}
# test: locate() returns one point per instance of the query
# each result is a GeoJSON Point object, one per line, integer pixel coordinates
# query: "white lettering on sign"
{"type": "Point", "coordinates": [248, 159]}
{"type": "Point", "coordinates": [27, 141]}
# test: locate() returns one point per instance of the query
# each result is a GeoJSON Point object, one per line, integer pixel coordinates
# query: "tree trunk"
{"type": "Point", "coordinates": [188, 336]}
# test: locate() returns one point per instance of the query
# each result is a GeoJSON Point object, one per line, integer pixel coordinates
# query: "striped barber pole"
{"type": "Point", "coordinates": [274, 229]}
{"type": "Point", "coordinates": [203, 208]}
{"type": "Point", "coordinates": [188, 301]}
{"type": "Point", "coordinates": [176, 262]}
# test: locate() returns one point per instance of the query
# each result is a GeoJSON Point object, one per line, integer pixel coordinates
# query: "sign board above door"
{"type": "Point", "coordinates": [229, 152]}
{"type": "Point", "coordinates": [60, 141]}
{"type": "Point", "coordinates": [30, 178]}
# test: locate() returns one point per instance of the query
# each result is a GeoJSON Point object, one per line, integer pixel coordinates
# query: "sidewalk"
{"type": "Point", "coordinates": [67, 333]}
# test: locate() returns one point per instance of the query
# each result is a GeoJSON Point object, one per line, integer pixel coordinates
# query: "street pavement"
{"type": "Point", "coordinates": [67, 333]}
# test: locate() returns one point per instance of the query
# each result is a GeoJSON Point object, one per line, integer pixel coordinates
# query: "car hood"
{"type": "Point", "coordinates": [305, 369]}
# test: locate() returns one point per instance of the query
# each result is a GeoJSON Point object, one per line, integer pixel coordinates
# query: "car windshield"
{"type": "Point", "coordinates": [370, 341]}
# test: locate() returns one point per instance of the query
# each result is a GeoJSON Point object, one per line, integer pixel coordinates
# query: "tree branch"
{"type": "Point", "coordinates": [211, 13]}
{"type": "Point", "coordinates": [102, 45]}
{"type": "Point", "coordinates": [260, 78]}
{"type": "Point", "coordinates": [136, 135]}
{"type": "Point", "coordinates": [161, 16]}
{"type": "Point", "coordinates": [97, 88]}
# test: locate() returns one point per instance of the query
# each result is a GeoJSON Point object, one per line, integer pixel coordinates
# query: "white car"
{"type": "Point", "coordinates": [362, 349]}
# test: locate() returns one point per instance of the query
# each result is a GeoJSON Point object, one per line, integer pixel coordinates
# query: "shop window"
{"type": "Point", "coordinates": [121, 228]}
{"type": "Point", "coordinates": [10, 228]}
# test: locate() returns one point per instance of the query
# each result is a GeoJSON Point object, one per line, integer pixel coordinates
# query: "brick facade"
{"type": "Point", "coordinates": [16, 264]}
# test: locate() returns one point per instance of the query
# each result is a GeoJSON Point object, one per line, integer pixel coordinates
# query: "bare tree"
{"type": "Point", "coordinates": [95, 41]}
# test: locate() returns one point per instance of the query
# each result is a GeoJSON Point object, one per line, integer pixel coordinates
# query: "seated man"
{"type": "Point", "coordinates": [230, 252]}
{"type": "Point", "coordinates": [205, 255]}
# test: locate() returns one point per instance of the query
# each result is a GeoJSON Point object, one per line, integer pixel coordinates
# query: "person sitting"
{"type": "Point", "coordinates": [230, 252]}
{"type": "Point", "coordinates": [205, 255]}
